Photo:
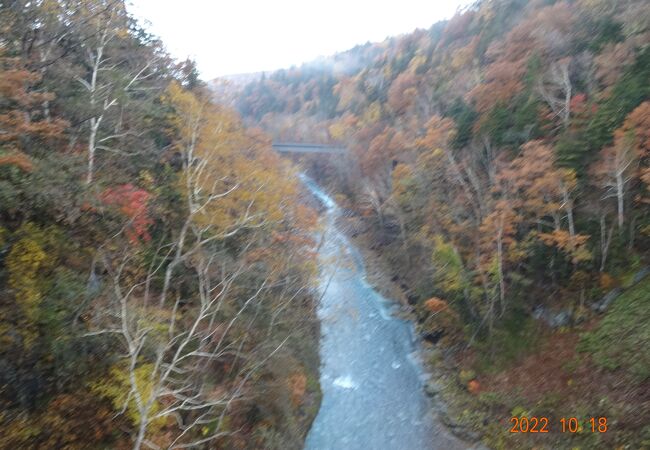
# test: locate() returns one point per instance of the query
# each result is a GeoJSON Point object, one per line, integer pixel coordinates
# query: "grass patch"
{"type": "Point", "coordinates": [517, 336]}
{"type": "Point", "coordinates": [622, 338]}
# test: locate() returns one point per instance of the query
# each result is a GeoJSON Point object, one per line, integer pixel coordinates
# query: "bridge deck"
{"type": "Point", "coordinates": [293, 147]}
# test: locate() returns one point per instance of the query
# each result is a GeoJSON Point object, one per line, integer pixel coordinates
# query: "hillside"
{"type": "Point", "coordinates": [499, 167]}
{"type": "Point", "coordinates": [156, 256]}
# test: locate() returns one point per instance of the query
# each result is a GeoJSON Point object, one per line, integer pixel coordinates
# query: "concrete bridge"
{"type": "Point", "coordinates": [295, 147]}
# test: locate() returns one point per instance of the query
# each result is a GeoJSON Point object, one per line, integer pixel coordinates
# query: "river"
{"type": "Point", "coordinates": [371, 379]}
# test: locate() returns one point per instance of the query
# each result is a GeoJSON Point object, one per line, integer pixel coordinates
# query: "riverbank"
{"type": "Point", "coordinates": [371, 376]}
{"type": "Point", "coordinates": [585, 370]}
{"type": "Point", "coordinates": [440, 379]}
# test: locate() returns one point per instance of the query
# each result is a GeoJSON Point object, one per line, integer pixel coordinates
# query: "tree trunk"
{"type": "Point", "coordinates": [630, 245]}
{"type": "Point", "coordinates": [569, 211]}
{"type": "Point", "coordinates": [605, 241]}
{"type": "Point", "coordinates": [140, 437]}
{"type": "Point", "coordinates": [620, 199]}
{"type": "Point", "coordinates": [567, 94]}
{"type": "Point", "coordinates": [502, 295]}
{"type": "Point", "coordinates": [94, 125]}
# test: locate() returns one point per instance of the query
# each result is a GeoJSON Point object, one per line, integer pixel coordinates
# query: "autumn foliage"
{"type": "Point", "coordinates": [435, 305]}
{"type": "Point", "coordinates": [156, 255]}
{"type": "Point", "coordinates": [499, 161]}
{"type": "Point", "coordinates": [131, 202]}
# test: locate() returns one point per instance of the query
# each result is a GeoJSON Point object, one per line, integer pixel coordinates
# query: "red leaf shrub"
{"type": "Point", "coordinates": [132, 202]}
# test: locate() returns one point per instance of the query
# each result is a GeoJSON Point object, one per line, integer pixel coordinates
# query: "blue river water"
{"type": "Point", "coordinates": [371, 378]}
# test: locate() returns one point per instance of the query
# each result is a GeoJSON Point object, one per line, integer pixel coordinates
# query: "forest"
{"type": "Point", "coordinates": [159, 261]}
{"type": "Point", "coordinates": [498, 167]}
{"type": "Point", "coordinates": [156, 260]}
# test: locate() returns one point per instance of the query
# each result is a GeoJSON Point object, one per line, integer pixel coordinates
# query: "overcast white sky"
{"type": "Point", "coordinates": [240, 36]}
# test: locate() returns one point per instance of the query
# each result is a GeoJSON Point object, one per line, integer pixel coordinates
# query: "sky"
{"type": "Point", "coordinates": [228, 37]}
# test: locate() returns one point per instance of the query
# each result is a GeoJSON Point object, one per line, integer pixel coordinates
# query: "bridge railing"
{"type": "Point", "coordinates": [296, 147]}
